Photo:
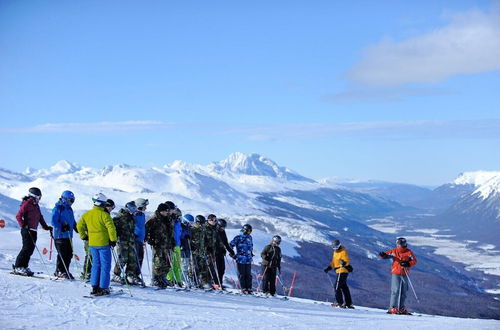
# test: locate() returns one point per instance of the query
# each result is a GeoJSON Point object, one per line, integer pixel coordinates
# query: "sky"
{"type": "Point", "coordinates": [404, 91]}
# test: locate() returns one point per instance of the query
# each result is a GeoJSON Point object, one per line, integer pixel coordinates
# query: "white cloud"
{"type": "Point", "coordinates": [469, 44]}
{"type": "Point", "coordinates": [90, 128]}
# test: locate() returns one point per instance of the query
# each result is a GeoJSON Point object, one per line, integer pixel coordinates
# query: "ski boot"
{"type": "Point", "coordinates": [393, 310]}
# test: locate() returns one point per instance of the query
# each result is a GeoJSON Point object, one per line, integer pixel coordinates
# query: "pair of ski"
{"type": "Point", "coordinates": [111, 294]}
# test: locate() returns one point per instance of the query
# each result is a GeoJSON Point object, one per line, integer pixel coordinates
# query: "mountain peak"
{"type": "Point", "coordinates": [476, 178]}
{"type": "Point", "coordinates": [255, 165]}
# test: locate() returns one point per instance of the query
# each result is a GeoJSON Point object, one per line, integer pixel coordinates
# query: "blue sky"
{"type": "Point", "coordinates": [403, 91]}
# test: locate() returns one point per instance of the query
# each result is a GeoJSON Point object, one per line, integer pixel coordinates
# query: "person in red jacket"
{"type": "Point", "coordinates": [28, 217]}
{"type": "Point", "coordinates": [402, 259]}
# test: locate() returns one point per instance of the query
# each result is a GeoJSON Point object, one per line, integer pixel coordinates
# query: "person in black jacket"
{"type": "Point", "coordinates": [222, 245]}
{"type": "Point", "coordinates": [271, 262]}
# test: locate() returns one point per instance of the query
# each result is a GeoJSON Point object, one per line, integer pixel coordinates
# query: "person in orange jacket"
{"type": "Point", "coordinates": [402, 259]}
{"type": "Point", "coordinates": [341, 264]}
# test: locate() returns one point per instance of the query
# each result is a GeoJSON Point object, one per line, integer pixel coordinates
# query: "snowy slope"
{"type": "Point", "coordinates": [46, 304]}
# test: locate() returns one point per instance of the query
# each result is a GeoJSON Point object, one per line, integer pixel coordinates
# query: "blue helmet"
{"type": "Point", "coordinates": [187, 219]}
{"type": "Point", "coordinates": [131, 207]}
{"type": "Point", "coordinates": [68, 195]}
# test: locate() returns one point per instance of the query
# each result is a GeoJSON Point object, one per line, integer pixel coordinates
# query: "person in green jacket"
{"type": "Point", "coordinates": [97, 226]}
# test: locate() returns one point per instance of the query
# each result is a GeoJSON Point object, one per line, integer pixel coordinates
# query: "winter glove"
{"type": "Point", "coordinates": [233, 256]}
{"type": "Point", "coordinates": [65, 228]}
{"type": "Point", "coordinates": [50, 228]}
{"type": "Point", "coordinates": [25, 226]}
{"type": "Point", "coordinates": [327, 269]}
{"type": "Point", "coordinates": [384, 255]}
{"type": "Point", "coordinates": [343, 263]}
{"type": "Point", "coordinates": [112, 243]}
{"type": "Point", "coordinates": [404, 263]}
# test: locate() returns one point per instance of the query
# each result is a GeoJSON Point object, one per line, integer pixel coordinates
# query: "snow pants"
{"type": "Point", "coordinates": [29, 240]}
{"type": "Point", "coordinates": [245, 276]}
{"type": "Point", "coordinates": [220, 262]}
{"type": "Point", "coordinates": [101, 266]}
{"type": "Point", "coordinates": [64, 254]}
{"type": "Point", "coordinates": [128, 259]}
{"type": "Point", "coordinates": [342, 290]}
{"type": "Point", "coordinates": [399, 288]}
{"type": "Point", "coordinates": [139, 250]}
{"type": "Point", "coordinates": [268, 280]}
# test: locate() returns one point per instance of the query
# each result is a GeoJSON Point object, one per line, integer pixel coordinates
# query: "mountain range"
{"type": "Point", "coordinates": [311, 213]}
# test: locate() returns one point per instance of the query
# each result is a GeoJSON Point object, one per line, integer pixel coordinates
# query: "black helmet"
{"type": "Point", "coordinates": [211, 216]}
{"type": "Point", "coordinates": [336, 244]}
{"type": "Point", "coordinates": [247, 229]}
{"type": "Point", "coordinates": [170, 205]}
{"type": "Point", "coordinates": [35, 192]}
{"type": "Point", "coordinates": [110, 203]}
{"type": "Point", "coordinates": [222, 223]}
{"type": "Point", "coordinates": [200, 219]}
{"type": "Point", "coordinates": [277, 239]}
{"type": "Point", "coordinates": [401, 241]}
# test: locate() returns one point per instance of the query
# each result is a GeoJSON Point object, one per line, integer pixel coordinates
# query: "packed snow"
{"type": "Point", "coordinates": [47, 304]}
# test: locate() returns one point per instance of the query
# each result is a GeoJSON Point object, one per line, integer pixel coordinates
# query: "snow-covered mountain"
{"type": "Point", "coordinates": [275, 200]}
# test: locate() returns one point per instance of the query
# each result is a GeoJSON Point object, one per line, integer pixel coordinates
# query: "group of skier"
{"type": "Point", "coordinates": [187, 251]}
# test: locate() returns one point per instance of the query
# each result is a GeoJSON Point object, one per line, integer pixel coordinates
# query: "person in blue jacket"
{"type": "Point", "coordinates": [187, 221]}
{"type": "Point", "coordinates": [244, 253]}
{"type": "Point", "coordinates": [140, 231]}
{"type": "Point", "coordinates": [63, 221]}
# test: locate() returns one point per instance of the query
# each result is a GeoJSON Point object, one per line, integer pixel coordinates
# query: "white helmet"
{"type": "Point", "coordinates": [99, 199]}
{"type": "Point", "coordinates": [141, 202]}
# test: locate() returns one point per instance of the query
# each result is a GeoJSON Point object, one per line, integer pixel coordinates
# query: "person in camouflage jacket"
{"type": "Point", "coordinates": [160, 235]}
{"type": "Point", "coordinates": [198, 250]}
{"type": "Point", "coordinates": [124, 224]}
{"type": "Point", "coordinates": [211, 245]}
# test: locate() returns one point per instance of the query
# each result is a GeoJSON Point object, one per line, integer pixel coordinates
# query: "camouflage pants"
{"type": "Point", "coordinates": [201, 268]}
{"type": "Point", "coordinates": [128, 259]}
{"type": "Point", "coordinates": [161, 261]}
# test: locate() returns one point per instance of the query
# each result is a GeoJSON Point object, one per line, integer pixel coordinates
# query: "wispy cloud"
{"type": "Point", "coordinates": [469, 44]}
{"type": "Point", "coordinates": [375, 95]}
{"type": "Point", "coordinates": [455, 129]}
{"type": "Point", "coordinates": [90, 128]}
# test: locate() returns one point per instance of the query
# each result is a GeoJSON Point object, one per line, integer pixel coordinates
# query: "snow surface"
{"type": "Point", "coordinates": [486, 182]}
{"type": "Point", "coordinates": [45, 304]}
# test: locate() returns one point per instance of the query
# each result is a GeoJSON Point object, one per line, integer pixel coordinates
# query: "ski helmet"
{"type": "Point", "coordinates": [277, 239]}
{"type": "Point", "coordinates": [131, 207]}
{"type": "Point", "coordinates": [200, 219]}
{"type": "Point", "coordinates": [170, 205]}
{"type": "Point", "coordinates": [141, 202]}
{"type": "Point", "coordinates": [212, 217]}
{"type": "Point", "coordinates": [247, 229]}
{"type": "Point", "coordinates": [110, 203]}
{"type": "Point", "coordinates": [99, 199]}
{"type": "Point", "coordinates": [401, 241]}
{"type": "Point", "coordinates": [336, 244]}
{"type": "Point", "coordinates": [187, 219]}
{"type": "Point", "coordinates": [35, 192]}
{"type": "Point", "coordinates": [162, 207]}
{"type": "Point", "coordinates": [222, 223]}
{"type": "Point", "coordinates": [68, 195]}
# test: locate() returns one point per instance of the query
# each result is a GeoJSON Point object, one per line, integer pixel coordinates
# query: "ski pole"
{"type": "Point", "coordinates": [411, 285]}
{"type": "Point", "coordinates": [194, 266]}
{"type": "Point", "coordinates": [41, 258]}
{"type": "Point", "coordinates": [333, 286]}
{"type": "Point", "coordinates": [117, 261]}
{"type": "Point", "coordinates": [209, 270]}
{"type": "Point", "coordinates": [282, 285]}
{"type": "Point", "coordinates": [50, 250]}
{"type": "Point", "coordinates": [214, 263]}
{"type": "Point", "coordinates": [261, 282]}
{"type": "Point", "coordinates": [147, 260]}
{"type": "Point", "coordinates": [138, 266]}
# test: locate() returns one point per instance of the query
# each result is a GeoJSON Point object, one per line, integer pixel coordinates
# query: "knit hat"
{"type": "Point", "coordinates": [163, 207]}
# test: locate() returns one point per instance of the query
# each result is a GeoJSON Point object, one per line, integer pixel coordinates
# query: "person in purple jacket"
{"type": "Point", "coordinates": [28, 217]}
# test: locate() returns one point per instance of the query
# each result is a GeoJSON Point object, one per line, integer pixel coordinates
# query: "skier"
{"type": "Point", "coordinates": [199, 251]}
{"type": "Point", "coordinates": [222, 245]}
{"type": "Point", "coordinates": [244, 247]}
{"type": "Point", "coordinates": [97, 226]}
{"type": "Point", "coordinates": [402, 259]}
{"type": "Point", "coordinates": [28, 217]}
{"type": "Point", "coordinates": [63, 221]}
{"type": "Point", "coordinates": [175, 273]}
{"type": "Point", "coordinates": [140, 231]}
{"type": "Point", "coordinates": [187, 221]}
{"type": "Point", "coordinates": [271, 262]}
{"type": "Point", "coordinates": [125, 224]}
{"type": "Point", "coordinates": [159, 234]}
{"type": "Point", "coordinates": [210, 245]}
{"type": "Point", "coordinates": [341, 264]}
{"type": "Point", "coordinates": [87, 265]}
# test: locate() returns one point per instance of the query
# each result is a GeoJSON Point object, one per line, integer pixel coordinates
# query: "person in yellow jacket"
{"type": "Point", "coordinates": [97, 226]}
{"type": "Point", "coordinates": [341, 264]}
